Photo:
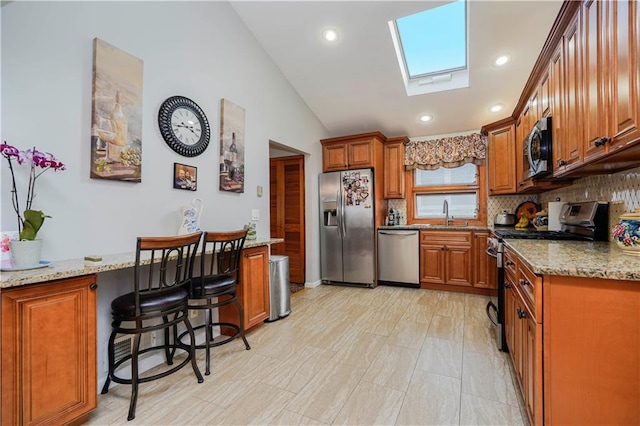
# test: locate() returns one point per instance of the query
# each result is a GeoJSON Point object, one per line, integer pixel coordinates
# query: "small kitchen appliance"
{"type": "Point", "coordinates": [537, 149]}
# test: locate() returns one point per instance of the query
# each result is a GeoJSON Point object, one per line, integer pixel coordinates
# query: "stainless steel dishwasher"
{"type": "Point", "coordinates": [399, 257]}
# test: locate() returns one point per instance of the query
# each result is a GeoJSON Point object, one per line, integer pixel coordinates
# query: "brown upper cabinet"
{"type": "Point", "coordinates": [352, 152]}
{"type": "Point", "coordinates": [394, 186]}
{"type": "Point", "coordinates": [587, 79]}
{"type": "Point", "coordinates": [361, 151]}
{"type": "Point", "coordinates": [501, 160]}
{"type": "Point", "coordinates": [611, 79]}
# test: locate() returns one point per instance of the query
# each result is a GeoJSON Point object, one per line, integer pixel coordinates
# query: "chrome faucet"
{"type": "Point", "coordinates": [445, 210]}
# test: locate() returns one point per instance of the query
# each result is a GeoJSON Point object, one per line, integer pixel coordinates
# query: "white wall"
{"type": "Point", "coordinates": [197, 49]}
{"type": "Point", "coordinates": [200, 50]}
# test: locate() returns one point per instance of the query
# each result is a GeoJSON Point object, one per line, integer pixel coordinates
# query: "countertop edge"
{"type": "Point", "coordinates": [606, 259]}
{"type": "Point", "coordinates": [77, 267]}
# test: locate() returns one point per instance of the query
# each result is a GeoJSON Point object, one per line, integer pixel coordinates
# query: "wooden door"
{"type": "Point", "coordinates": [49, 352]}
{"type": "Point", "coordinates": [394, 167]}
{"type": "Point", "coordinates": [432, 264]}
{"type": "Point", "coordinates": [529, 366]}
{"type": "Point", "coordinates": [360, 154]}
{"type": "Point", "coordinates": [574, 130]}
{"type": "Point", "coordinates": [625, 73]}
{"type": "Point", "coordinates": [287, 218]}
{"type": "Point", "coordinates": [501, 161]}
{"type": "Point", "coordinates": [545, 96]}
{"type": "Point", "coordinates": [334, 157]}
{"type": "Point", "coordinates": [458, 265]}
{"type": "Point", "coordinates": [484, 266]}
{"type": "Point", "coordinates": [556, 82]}
{"type": "Point", "coordinates": [595, 31]}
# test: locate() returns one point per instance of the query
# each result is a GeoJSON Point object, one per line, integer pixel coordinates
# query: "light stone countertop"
{"type": "Point", "coordinates": [577, 259]}
{"type": "Point", "coordinates": [76, 267]}
{"type": "Point", "coordinates": [424, 227]}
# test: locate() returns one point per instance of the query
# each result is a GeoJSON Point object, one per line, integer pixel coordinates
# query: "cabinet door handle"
{"type": "Point", "coordinates": [93, 286]}
{"type": "Point", "coordinates": [246, 255]}
{"type": "Point", "coordinates": [510, 263]}
{"type": "Point", "coordinates": [507, 285]}
{"type": "Point", "coordinates": [562, 163]}
{"type": "Point", "coordinates": [598, 142]}
{"type": "Point", "coordinates": [521, 314]}
{"type": "Point", "coordinates": [523, 282]}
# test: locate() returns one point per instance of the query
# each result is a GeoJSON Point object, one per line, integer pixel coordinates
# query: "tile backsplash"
{"type": "Point", "coordinates": [621, 190]}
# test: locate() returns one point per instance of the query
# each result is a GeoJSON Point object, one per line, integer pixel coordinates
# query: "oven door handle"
{"type": "Point", "coordinates": [491, 252]}
{"type": "Point", "coordinates": [492, 307]}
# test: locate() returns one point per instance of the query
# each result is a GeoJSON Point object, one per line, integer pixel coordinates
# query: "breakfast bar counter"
{"type": "Point", "coordinates": [78, 267]}
{"type": "Point", "coordinates": [577, 259]}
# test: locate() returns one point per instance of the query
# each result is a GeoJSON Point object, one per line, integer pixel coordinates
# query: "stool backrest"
{"type": "Point", "coordinates": [226, 248]}
{"type": "Point", "coordinates": [163, 262]}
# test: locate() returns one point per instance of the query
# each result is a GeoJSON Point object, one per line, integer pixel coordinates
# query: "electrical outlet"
{"type": "Point", "coordinates": [255, 214]}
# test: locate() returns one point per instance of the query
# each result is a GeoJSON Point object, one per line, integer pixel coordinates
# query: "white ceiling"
{"type": "Point", "coordinates": [356, 86]}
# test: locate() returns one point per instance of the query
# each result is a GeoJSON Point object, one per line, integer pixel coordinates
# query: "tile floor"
{"type": "Point", "coordinates": [383, 356]}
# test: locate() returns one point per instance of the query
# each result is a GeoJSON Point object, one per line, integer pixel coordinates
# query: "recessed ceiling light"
{"type": "Point", "coordinates": [330, 35]}
{"type": "Point", "coordinates": [425, 118]}
{"type": "Point", "coordinates": [501, 60]}
{"type": "Point", "coordinates": [496, 108]}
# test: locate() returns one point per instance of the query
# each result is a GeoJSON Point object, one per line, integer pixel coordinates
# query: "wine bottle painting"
{"type": "Point", "coordinates": [231, 147]}
{"type": "Point", "coordinates": [116, 119]}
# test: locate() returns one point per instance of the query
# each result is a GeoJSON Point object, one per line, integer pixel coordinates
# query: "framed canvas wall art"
{"type": "Point", "coordinates": [116, 117]}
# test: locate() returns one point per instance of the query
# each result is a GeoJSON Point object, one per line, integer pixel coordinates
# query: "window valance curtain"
{"type": "Point", "coordinates": [446, 152]}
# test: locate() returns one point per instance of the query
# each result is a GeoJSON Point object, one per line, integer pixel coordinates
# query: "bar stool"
{"type": "Point", "coordinates": [159, 302]}
{"type": "Point", "coordinates": [217, 286]}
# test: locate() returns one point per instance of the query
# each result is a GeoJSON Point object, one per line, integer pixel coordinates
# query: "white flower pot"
{"type": "Point", "coordinates": [25, 253]}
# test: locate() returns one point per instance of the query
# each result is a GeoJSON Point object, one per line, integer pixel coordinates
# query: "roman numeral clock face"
{"type": "Point", "coordinates": [184, 126]}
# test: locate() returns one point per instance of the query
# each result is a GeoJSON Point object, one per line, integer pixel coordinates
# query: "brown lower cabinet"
{"type": "Point", "coordinates": [253, 289]}
{"type": "Point", "coordinates": [455, 260]}
{"type": "Point", "coordinates": [577, 360]}
{"type": "Point", "coordinates": [49, 352]}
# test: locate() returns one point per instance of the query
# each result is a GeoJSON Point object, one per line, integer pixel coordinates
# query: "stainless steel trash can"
{"type": "Point", "coordinates": [279, 292]}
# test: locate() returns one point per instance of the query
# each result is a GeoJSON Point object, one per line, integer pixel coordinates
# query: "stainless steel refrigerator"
{"type": "Point", "coordinates": [347, 228]}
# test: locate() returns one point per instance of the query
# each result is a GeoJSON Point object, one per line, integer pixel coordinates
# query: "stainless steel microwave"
{"type": "Point", "coordinates": [537, 148]}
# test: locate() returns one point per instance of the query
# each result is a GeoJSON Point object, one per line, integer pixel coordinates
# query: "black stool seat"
{"type": "Point", "coordinates": [215, 285]}
{"type": "Point", "coordinates": [170, 299]}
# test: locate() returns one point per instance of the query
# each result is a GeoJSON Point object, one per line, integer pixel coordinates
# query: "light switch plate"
{"type": "Point", "coordinates": [255, 214]}
{"type": "Point", "coordinates": [259, 191]}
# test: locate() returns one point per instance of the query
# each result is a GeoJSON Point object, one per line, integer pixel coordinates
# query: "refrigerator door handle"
{"type": "Point", "coordinates": [339, 213]}
{"type": "Point", "coordinates": [343, 219]}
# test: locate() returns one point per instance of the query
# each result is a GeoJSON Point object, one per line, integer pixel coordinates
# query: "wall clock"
{"type": "Point", "coordinates": [184, 126]}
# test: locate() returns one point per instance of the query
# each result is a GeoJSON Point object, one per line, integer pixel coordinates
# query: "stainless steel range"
{"type": "Point", "coordinates": [586, 221]}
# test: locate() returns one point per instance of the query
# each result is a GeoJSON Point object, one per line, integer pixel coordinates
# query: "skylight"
{"type": "Point", "coordinates": [432, 48]}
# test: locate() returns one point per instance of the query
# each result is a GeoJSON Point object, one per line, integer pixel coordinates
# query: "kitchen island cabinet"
{"type": "Point", "coordinates": [49, 352]}
{"type": "Point", "coordinates": [574, 308]}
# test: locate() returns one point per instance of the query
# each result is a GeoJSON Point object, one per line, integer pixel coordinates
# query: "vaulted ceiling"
{"type": "Point", "coordinates": [355, 85]}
